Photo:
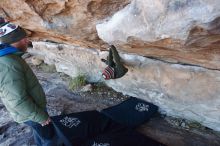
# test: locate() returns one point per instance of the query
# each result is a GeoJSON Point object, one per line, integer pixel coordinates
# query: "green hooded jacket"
{"type": "Point", "coordinates": [20, 91]}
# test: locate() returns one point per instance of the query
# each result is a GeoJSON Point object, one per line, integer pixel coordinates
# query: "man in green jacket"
{"type": "Point", "coordinates": [20, 90]}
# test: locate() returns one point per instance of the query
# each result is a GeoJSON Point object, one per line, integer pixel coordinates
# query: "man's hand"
{"type": "Point", "coordinates": [46, 122]}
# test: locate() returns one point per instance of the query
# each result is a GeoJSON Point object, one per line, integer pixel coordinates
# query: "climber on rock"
{"type": "Point", "coordinates": [115, 68]}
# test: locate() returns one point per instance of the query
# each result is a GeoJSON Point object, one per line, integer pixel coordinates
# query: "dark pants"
{"type": "Point", "coordinates": [44, 135]}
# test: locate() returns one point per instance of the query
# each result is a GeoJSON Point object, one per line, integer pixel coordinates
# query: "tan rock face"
{"type": "Point", "coordinates": [173, 31]}
{"type": "Point", "coordinates": [69, 21]}
{"type": "Point", "coordinates": [176, 31]}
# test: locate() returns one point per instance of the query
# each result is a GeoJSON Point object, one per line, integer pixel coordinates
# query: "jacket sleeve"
{"type": "Point", "coordinates": [14, 89]}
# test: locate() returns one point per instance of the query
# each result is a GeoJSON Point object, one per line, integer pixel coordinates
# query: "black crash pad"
{"type": "Point", "coordinates": [125, 137]}
{"type": "Point", "coordinates": [131, 112]}
{"type": "Point", "coordinates": [78, 127]}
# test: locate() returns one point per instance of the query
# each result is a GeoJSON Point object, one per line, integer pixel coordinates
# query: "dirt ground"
{"type": "Point", "coordinates": [170, 131]}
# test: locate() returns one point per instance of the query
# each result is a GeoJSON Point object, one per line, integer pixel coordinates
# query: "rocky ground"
{"type": "Point", "coordinates": [170, 131]}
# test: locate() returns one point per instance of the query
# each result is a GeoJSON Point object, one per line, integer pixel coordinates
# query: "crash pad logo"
{"type": "Point", "coordinates": [141, 107]}
{"type": "Point", "coordinates": [100, 144]}
{"type": "Point", "coordinates": [70, 122]}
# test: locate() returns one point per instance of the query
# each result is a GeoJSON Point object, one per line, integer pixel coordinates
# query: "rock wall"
{"type": "Point", "coordinates": [69, 21]}
{"type": "Point", "coordinates": [179, 90]}
{"type": "Point", "coordinates": [185, 31]}
{"type": "Point", "coordinates": [171, 47]}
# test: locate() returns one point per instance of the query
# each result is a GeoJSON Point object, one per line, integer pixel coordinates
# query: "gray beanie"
{"type": "Point", "coordinates": [10, 33]}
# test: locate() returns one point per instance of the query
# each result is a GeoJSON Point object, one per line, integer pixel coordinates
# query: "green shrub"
{"type": "Point", "coordinates": [77, 82]}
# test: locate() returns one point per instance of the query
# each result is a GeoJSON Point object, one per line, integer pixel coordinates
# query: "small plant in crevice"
{"type": "Point", "coordinates": [77, 82]}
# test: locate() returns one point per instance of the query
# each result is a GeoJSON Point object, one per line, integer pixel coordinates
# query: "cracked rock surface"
{"type": "Point", "coordinates": [61, 100]}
